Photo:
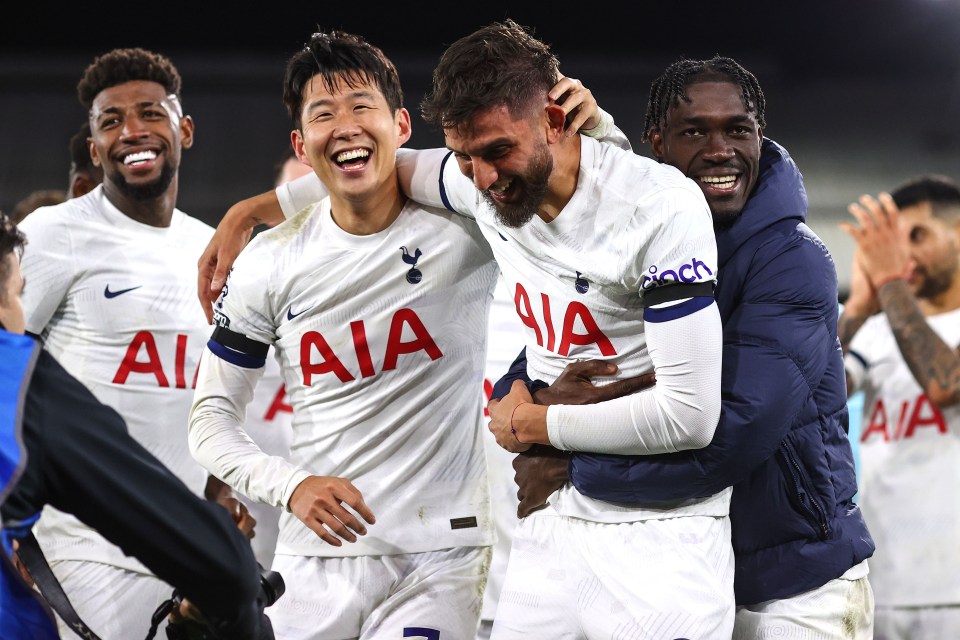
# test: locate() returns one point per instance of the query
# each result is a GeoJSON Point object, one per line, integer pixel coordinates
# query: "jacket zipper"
{"type": "Point", "coordinates": [804, 495]}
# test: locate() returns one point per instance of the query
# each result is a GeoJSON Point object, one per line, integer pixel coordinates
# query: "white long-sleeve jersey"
{"type": "Point", "coordinates": [381, 343]}
{"type": "Point", "coordinates": [624, 273]}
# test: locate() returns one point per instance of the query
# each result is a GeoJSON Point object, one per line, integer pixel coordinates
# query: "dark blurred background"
{"type": "Point", "coordinates": [865, 94]}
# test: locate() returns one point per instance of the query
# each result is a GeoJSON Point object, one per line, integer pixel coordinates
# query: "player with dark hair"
{"type": "Point", "coordinates": [900, 333]}
{"type": "Point", "coordinates": [376, 307]}
{"type": "Point", "coordinates": [109, 293]}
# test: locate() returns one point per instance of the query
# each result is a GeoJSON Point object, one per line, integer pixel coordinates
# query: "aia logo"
{"type": "Point", "coordinates": [413, 276]}
{"type": "Point", "coordinates": [577, 325]}
{"type": "Point", "coordinates": [404, 321]}
{"type": "Point", "coordinates": [913, 415]}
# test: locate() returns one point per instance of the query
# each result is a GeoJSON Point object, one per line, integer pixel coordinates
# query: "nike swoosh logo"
{"type": "Point", "coordinates": [291, 315]}
{"type": "Point", "coordinates": [114, 294]}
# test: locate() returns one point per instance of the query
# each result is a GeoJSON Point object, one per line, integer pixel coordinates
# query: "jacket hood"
{"type": "Point", "coordinates": [779, 195]}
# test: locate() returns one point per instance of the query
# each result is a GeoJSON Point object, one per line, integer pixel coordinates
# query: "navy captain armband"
{"type": "Point", "coordinates": [696, 296]}
{"type": "Point", "coordinates": [237, 348]}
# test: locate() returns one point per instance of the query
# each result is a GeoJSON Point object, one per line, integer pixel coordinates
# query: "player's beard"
{"type": "Point", "coordinates": [933, 284]}
{"type": "Point", "coordinates": [146, 190]}
{"type": "Point", "coordinates": [533, 185]}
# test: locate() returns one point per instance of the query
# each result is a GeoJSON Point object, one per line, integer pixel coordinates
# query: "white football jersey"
{"type": "Point", "coordinates": [381, 343]}
{"type": "Point", "coordinates": [115, 303]}
{"type": "Point", "coordinates": [910, 468]}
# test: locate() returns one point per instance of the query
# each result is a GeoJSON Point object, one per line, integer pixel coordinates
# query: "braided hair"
{"type": "Point", "coordinates": [670, 88]}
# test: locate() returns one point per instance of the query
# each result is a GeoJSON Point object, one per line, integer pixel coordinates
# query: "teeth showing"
{"type": "Point", "coordinates": [500, 187]}
{"type": "Point", "coordinates": [724, 182]}
{"type": "Point", "coordinates": [355, 154]}
{"type": "Point", "coordinates": [139, 158]}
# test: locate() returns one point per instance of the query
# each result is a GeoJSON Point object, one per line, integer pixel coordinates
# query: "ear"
{"type": "Point", "coordinates": [186, 132]}
{"type": "Point", "coordinates": [82, 185]}
{"type": "Point", "coordinates": [656, 143]}
{"type": "Point", "coordinates": [556, 123]}
{"type": "Point", "coordinates": [94, 156]}
{"type": "Point", "coordinates": [296, 139]}
{"type": "Point", "coordinates": [404, 126]}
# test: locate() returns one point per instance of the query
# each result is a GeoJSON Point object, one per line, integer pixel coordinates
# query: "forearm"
{"type": "Point", "coordinates": [934, 365]}
{"type": "Point", "coordinates": [679, 413]}
{"type": "Point", "coordinates": [848, 325]}
{"type": "Point", "coordinates": [220, 444]}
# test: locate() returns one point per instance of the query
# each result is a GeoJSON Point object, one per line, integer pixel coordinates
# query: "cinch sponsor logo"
{"type": "Point", "coordinates": [691, 272]}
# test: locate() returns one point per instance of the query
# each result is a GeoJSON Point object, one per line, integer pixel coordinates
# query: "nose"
{"type": "Point", "coordinates": [484, 174]}
{"type": "Point", "coordinates": [346, 126]}
{"type": "Point", "coordinates": [718, 148]}
{"type": "Point", "coordinates": [133, 128]}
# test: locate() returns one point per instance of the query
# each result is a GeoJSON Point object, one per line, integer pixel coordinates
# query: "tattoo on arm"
{"type": "Point", "coordinates": [934, 365]}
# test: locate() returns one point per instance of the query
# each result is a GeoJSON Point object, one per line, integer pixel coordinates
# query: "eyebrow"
{"type": "Point", "coordinates": [142, 105]}
{"type": "Point", "coordinates": [486, 147]}
{"type": "Point", "coordinates": [739, 118]}
{"type": "Point", "coordinates": [322, 102]}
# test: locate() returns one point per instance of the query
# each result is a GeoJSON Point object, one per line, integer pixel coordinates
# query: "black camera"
{"type": "Point", "coordinates": [271, 588]}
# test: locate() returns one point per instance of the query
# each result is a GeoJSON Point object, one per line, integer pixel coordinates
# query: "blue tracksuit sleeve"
{"type": "Point", "coordinates": [517, 371]}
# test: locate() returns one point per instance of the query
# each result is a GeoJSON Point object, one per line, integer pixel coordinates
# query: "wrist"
{"type": "Point", "coordinates": [529, 423]}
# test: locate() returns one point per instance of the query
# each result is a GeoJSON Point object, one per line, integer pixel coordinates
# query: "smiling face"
{"type": "Point", "coordinates": [349, 136]}
{"type": "Point", "coordinates": [714, 140]}
{"type": "Point", "coordinates": [507, 158]}
{"type": "Point", "coordinates": [137, 133]}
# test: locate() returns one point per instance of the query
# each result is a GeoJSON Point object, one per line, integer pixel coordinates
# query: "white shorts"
{"type": "Point", "coordinates": [425, 596]}
{"type": "Point", "coordinates": [917, 623]}
{"type": "Point", "coordinates": [115, 603]}
{"type": "Point", "coordinates": [842, 609]}
{"type": "Point", "coordinates": [571, 579]}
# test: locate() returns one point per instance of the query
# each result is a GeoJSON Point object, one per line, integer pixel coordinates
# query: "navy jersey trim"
{"type": "Point", "coordinates": [678, 310]}
{"type": "Point", "coordinates": [676, 291]}
{"type": "Point", "coordinates": [443, 189]}
{"type": "Point", "coordinates": [860, 358]}
{"type": "Point", "coordinates": [238, 349]}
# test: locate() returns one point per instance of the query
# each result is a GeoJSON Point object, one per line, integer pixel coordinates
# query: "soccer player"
{"type": "Point", "coordinates": [110, 277]}
{"type": "Point", "coordinates": [800, 541]}
{"type": "Point", "coordinates": [901, 330]}
{"type": "Point", "coordinates": [606, 255]}
{"type": "Point", "coordinates": [377, 308]}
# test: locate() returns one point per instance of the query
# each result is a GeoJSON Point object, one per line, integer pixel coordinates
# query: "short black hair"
{"type": "Point", "coordinates": [939, 191]}
{"type": "Point", "coordinates": [337, 56]}
{"type": "Point", "coordinates": [667, 90]}
{"type": "Point", "coordinates": [125, 65]}
{"type": "Point", "coordinates": [11, 240]}
{"type": "Point", "coordinates": [500, 64]}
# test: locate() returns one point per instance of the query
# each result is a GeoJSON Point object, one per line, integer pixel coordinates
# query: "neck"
{"type": "Point", "coordinates": [156, 212]}
{"type": "Point", "coordinates": [368, 214]}
{"type": "Point", "coordinates": [563, 179]}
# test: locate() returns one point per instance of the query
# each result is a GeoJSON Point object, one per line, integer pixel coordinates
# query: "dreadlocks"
{"type": "Point", "coordinates": [670, 88]}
